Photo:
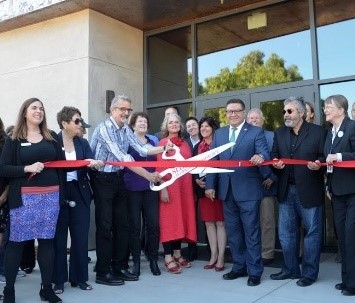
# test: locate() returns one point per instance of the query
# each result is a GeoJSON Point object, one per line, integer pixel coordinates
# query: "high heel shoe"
{"type": "Point", "coordinates": [47, 294]}
{"type": "Point", "coordinates": [174, 270]}
{"type": "Point", "coordinates": [210, 266]}
{"type": "Point", "coordinates": [82, 285]}
{"type": "Point", "coordinates": [216, 268]}
{"type": "Point", "coordinates": [182, 262]}
{"type": "Point", "coordinates": [154, 268]}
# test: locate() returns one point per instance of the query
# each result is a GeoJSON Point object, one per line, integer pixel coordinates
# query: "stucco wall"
{"type": "Point", "coordinates": [115, 63]}
{"type": "Point", "coordinates": [48, 60]}
{"type": "Point", "coordinates": [71, 60]}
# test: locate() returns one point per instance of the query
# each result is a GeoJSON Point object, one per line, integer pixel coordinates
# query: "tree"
{"type": "Point", "coordinates": [251, 71]}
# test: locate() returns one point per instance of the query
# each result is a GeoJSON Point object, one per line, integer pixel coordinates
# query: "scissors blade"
{"type": "Point", "coordinates": [210, 170]}
{"type": "Point", "coordinates": [207, 155]}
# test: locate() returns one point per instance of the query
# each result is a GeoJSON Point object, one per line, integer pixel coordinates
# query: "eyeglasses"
{"type": "Point", "coordinates": [289, 111]}
{"type": "Point", "coordinates": [125, 109]}
{"type": "Point", "coordinates": [234, 111]}
{"type": "Point", "coordinates": [328, 107]}
{"type": "Point", "coordinates": [78, 121]}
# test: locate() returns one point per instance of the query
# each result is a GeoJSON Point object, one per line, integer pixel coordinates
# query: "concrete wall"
{"type": "Point", "coordinates": [71, 60]}
{"type": "Point", "coordinates": [115, 63]}
{"type": "Point", "coordinates": [48, 60]}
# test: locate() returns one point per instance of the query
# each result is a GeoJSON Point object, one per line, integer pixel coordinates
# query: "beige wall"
{"type": "Point", "coordinates": [48, 60]}
{"type": "Point", "coordinates": [71, 60]}
{"type": "Point", "coordinates": [116, 63]}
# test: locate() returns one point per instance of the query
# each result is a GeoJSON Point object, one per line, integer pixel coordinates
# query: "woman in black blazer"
{"type": "Point", "coordinates": [340, 146]}
{"type": "Point", "coordinates": [75, 211]}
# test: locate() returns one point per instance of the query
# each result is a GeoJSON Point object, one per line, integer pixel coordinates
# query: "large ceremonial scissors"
{"type": "Point", "coordinates": [177, 172]}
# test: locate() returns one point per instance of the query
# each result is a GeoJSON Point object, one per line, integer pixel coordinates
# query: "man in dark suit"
{"type": "Point", "coordinates": [300, 192]}
{"type": "Point", "coordinates": [241, 191]}
{"type": "Point", "coordinates": [340, 146]}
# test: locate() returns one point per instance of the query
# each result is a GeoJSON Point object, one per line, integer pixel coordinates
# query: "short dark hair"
{"type": "Point", "coordinates": [236, 101]}
{"type": "Point", "coordinates": [66, 114]}
{"type": "Point", "coordinates": [135, 116]}
{"type": "Point", "coordinates": [212, 122]}
{"type": "Point", "coordinates": [191, 118]}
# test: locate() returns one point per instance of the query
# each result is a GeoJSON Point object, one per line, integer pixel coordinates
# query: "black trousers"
{"type": "Point", "coordinates": [344, 220]}
{"type": "Point", "coordinates": [111, 216]}
{"type": "Point", "coordinates": [143, 204]}
{"type": "Point", "coordinates": [76, 220]}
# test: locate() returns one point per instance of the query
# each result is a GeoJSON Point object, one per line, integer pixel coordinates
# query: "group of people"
{"type": "Point", "coordinates": [238, 206]}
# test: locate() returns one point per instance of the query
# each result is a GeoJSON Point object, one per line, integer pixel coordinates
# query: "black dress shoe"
{"type": "Point", "coordinates": [282, 276]}
{"type": "Point", "coordinates": [303, 282]}
{"type": "Point", "coordinates": [136, 268]}
{"type": "Point", "coordinates": [348, 292]}
{"type": "Point", "coordinates": [340, 286]}
{"type": "Point", "coordinates": [125, 275]}
{"type": "Point", "coordinates": [232, 275]}
{"type": "Point", "coordinates": [253, 280]}
{"type": "Point", "coordinates": [154, 268]}
{"type": "Point", "coordinates": [109, 279]}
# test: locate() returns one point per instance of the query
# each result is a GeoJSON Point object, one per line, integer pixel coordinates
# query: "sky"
{"type": "Point", "coordinates": [336, 44]}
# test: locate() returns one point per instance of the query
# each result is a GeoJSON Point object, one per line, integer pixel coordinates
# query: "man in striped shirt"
{"type": "Point", "coordinates": [110, 142]}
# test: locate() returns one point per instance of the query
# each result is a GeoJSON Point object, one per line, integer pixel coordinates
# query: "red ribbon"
{"type": "Point", "coordinates": [173, 163]}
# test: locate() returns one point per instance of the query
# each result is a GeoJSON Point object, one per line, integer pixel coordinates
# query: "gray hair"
{"type": "Point", "coordinates": [257, 111]}
{"type": "Point", "coordinates": [300, 104]}
{"type": "Point", "coordinates": [340, 102]}
{"type": "Point", "coordinates": [115, 100]}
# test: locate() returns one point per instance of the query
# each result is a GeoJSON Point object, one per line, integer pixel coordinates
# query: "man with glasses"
{"type": "Point", "coordinates": [300, 192]}
{"type": "Point", "coordinates": [241, 191]}
{"type": "Point", "coordinates": [110, 142]}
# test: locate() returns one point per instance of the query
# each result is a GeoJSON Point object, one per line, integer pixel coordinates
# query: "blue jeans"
{"type": "Point", "coordinates": [291, 213]}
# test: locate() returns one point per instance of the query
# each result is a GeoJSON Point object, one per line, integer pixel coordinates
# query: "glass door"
{"type": "Point", "coordinates": [271, 103]}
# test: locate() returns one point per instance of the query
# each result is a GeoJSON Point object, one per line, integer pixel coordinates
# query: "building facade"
{"type": "Point", "coordinates": [191, 54]}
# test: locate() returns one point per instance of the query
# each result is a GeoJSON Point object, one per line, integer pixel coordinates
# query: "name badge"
{"type": "Point", "coordinates": [329, 169]}
{"type": "Point", "coordinates": [26, 144]}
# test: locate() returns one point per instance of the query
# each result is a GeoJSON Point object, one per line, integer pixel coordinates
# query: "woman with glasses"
{"type": "Point", "coordinates": [143, 203]}
{"type": "Point", "coordinates": [75, 210]}
{"type": "Point", "coordinates": [34, 196]}
{"type": "Point", "coordinates": [340, 146]}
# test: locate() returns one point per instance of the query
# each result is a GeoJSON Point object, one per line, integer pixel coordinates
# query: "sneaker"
{"type": "Point", "coordinates": [21, 273]}
{"type": "Point", "coordinates": [2, 279]}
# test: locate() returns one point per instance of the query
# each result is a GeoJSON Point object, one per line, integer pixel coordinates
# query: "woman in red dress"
{"type": "Point", "coordinates": [211, 211]}
{"type": "Point", "coordinates": [176, 205]}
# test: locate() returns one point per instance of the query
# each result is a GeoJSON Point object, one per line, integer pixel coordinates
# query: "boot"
{"type": "Point", "coordinates": [136, 268]}
{"type": "Point", "coordinates": [154, 268]}
{"type": "Point", "coordinates": [47, 294]}
{"type": "Point", "coordinates": [9, 295]}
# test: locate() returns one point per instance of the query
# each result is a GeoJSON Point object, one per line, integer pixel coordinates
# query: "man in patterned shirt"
{"type": "Point", "coordinates": [110, 142]}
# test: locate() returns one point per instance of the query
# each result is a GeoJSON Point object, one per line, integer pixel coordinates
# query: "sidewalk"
{"type": "Point", "coordinates": [196, 284]}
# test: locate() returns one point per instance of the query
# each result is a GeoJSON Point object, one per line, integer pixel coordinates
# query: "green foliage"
{"type": "Point", "coordinates": [252, 71]}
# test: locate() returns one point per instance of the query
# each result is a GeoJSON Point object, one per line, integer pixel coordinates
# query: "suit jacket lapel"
{"type": "Point", "coordinates": [240, 137]}
{"type": "Point", "coordinates": [340, 133]}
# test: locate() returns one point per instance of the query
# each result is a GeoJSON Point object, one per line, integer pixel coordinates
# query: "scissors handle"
{"type": "Point", "coordinates": [176, 156]}
{"type": "Point", "coordinates": [166, 183]}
